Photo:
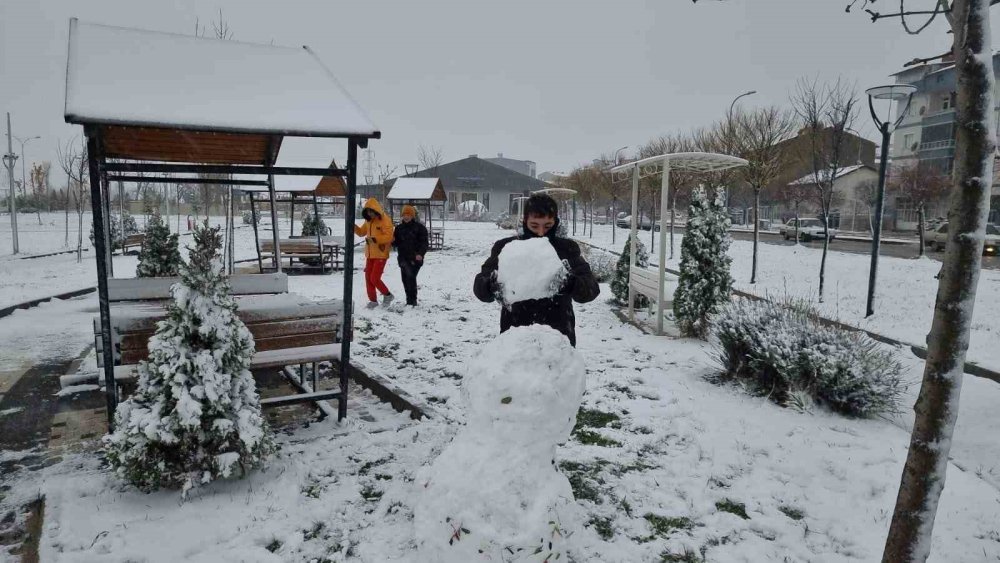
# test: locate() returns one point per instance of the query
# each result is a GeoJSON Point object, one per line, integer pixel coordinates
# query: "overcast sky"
{"type": "Point", "coordinates": [556, 82]}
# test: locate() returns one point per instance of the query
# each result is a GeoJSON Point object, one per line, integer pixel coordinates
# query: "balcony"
{"type": "Point", "coordinates": [936, 145]}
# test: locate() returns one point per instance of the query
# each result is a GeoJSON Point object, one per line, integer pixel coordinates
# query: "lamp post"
{"type": "Point", "coordinates": [9, 159]}
{"type": "Point", "coordinates": [894, 93]}
{"type": "Point", "coordinates": [614, 208]}
{"type": "Point", "coordinates": [729, 123]}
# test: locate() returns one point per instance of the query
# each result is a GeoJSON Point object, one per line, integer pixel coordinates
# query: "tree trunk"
{"type": "Point", "coordinates": [79, 229]}
{"type": "Point", "coordinates": [920, 228]}
{"type": "Point", "coordinates": [614, 221]}
{"type": "Point", "coordinates": [756, 233]}
{"type": "Point", "coordinates": [796, 223]}
{"type": "Point", "coordinates": [936, 409]}
{"type": "Point", "coordinates": [826, 247]}
{"type": "Point", "coordinates": [66, 238]}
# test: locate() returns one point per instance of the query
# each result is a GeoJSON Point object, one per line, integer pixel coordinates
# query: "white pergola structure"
{"type": "Point", "coordinates": [641, 280]}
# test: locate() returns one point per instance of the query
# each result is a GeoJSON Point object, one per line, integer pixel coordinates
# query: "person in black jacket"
{"type": "Point", "coordinates": [410, 240]}
{"type": "Point", "coordinates": [541, 220]}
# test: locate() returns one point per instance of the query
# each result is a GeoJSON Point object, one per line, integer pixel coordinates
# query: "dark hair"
{"type": "Point", "coordinates": [369, 214]}
{"type": "Point", "coordinates": [541, 205]}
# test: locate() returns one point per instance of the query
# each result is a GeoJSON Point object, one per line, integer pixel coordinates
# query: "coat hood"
{"type": "Point", "coordinates": [374, 205]}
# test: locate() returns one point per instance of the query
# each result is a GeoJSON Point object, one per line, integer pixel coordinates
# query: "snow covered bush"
{"type": "Point", "coordinates": [619, 285]}
{"type": "Point", "coordinates": [602, 263]}
{"type": "Point", "coordinates": [195, 415]}
{"type": "Point", "coordinates": [704, 283]}
{"type": "Point", "coordinates": [159, 256]}
{"type": "Point", "coordinates": [131, 228]}
{"type": "Point", "coordinates": [529, 269]}
{"type": "Point", "coordinates": [248, 218]}
{"type": "Point", "coordinates": [311, 226]}
{"type": "Point", "coordinates": [494, 493]}
{"type": "Point", "coordinates": [782, 351]}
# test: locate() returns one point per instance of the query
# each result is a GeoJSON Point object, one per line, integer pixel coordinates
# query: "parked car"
{"type": "Point", "coordinates": [938, 238]}
{"type": "Point", "coordinates": [645, 223]}
{"type": "Point", "coordinates": [809, 229]}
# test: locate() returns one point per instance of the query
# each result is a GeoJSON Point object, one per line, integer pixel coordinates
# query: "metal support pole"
{"type": "Point", "coordinates": [346, 324]}
{"type": "Point", "coordinates": [319, 238]}
{"type": "Point", "coordinates": [9, 159]}
{"type": "Point", "coordinates": [879, 209]}
{"type": "Point", "coordinates": [100, 240]}
{"type": "Point", "coordinates": [633, 241]}
{"type": "Point", "coordinates": [271, 157]}
{"type": "Point", "coordinates": [664, 200]}
{"type": "Point", "coordinates": [256, 237]}
{"type": "Point", "coordinates": [109, 243]}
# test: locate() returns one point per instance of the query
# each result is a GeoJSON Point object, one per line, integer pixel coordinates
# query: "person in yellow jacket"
{"type": "Point", "coordinates": [377, 230]}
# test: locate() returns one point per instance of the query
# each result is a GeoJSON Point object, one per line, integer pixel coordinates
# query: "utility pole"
{"type": "Point", "coordinates": [9, 159]}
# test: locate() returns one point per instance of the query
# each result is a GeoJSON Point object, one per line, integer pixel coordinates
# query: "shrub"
{"type": "Point", "coordinates": [704, 283]}
{"type": "Point", "coordinates": [619, 284]}
{"type": "Point", "coordinates": [781, 350]}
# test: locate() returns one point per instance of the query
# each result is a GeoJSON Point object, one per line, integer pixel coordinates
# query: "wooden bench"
{"type": "Point", "coordinates": [436, 241]}
{"type": "Point", "coordinates": [288, 329]}
{"type": "Point", "coordinates": [646, 281]}
{"type": "Point", "coordinates": [133, 240]}
{"type": "Point", "coordinates": [325, 256]}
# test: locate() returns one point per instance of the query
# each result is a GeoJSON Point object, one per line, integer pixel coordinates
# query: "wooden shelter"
{"type": "Point", "coordinates": [302, 190]}
{"type": "Point", "coordinates": [421, 192]}
{"type": "Point", "coordinates": [158, 103]}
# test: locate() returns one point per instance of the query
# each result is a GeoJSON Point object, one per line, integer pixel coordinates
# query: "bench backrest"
{"type": "Point", "coordinates": [647, 282]}
{"type": "Point", "coordinates": [138, 289]}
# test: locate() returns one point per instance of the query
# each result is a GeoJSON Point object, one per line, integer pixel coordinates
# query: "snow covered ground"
{"type": "Point", "coordinates": [904, 300]}
{"type": "Point", "coordinates": [663, 463]}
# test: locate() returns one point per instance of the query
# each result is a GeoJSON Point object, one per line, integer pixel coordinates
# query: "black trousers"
{"type": "Point", "coordinates": [409, 270]}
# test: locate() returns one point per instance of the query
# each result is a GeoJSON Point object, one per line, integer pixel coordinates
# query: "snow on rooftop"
{"type": "Point", "coordinates": [129, 76]}
{"type": "Point", "coordinates": [413, 188]}
{"type": "Point", "coordinates": [841, 172]}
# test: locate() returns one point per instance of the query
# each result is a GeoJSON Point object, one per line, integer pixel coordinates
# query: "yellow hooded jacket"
{"type": "Point", "coordinates": [377, 233]}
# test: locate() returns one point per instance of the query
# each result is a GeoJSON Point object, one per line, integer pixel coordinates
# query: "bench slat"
{"type": "Point", "coordinates": [134, 289]}
{"type": "Point", "coordinates": [300, 398]}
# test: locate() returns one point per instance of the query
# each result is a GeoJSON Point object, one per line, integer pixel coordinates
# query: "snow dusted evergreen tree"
{"type": "Point", "coordinates": [159, 256]}
{"type": "Point", "coordinates": [619, 285]}
{"type": "Point", "coordinates": [311, 226]}
{"type": "Point", "coordinates": [195, 415]}
{"type": "Point", "coordinates": [705, 282]}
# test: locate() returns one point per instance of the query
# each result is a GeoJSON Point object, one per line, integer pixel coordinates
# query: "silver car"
{"type": "Point", "coordinates": [938, 238]}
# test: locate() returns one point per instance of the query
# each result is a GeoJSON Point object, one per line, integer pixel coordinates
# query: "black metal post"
{"type": "Point", "coordinates": [345, 341]}
{"type": "Point", "coordinates": [109, 243]}
{"type": "Point", "coordinates": [291, 213]}
{"type": "Point", "coordinates": [319, 238]}
{"type": "Point", "coordinates": [256, 236]}
{"type": "Point", "coordinates": [879, 208]}
{"type": "Point", "coordinates": [100, 240]}
{"type": "Point", "coordinates": [272, 156]}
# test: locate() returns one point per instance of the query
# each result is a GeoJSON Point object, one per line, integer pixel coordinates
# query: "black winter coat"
{"type": "Point", "coordinates": [410, 240]}
{"type": "Point", "coordinates": [556, 311]}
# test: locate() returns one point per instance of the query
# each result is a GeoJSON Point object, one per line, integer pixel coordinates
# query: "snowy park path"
{"type": "Point", "coordinates": [663, 463]}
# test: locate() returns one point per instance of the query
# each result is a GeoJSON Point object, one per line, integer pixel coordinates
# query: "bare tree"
{"type": "Point", "coordinates": [39, 177]}
{"type": "Point", "coordinates": [919, 186]}
{"type": "Point", "coordinates": [758, 137]}
{"type": "Point", "coordinates": [73, 162]}
{"type": "Point", "coordinates": [827, 112]}
{"type": "Point", "coordinates": [936, 409]}
{"type": "Point", "coordinates": [429, 157]}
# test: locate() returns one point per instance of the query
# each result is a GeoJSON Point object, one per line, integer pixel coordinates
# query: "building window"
{"type": "Point", "coordinates": [908, 142]}
{"type": "Point", "coordinates": [945, 102]}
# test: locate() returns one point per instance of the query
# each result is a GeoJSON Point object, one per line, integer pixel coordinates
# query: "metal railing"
{"type": "Point", "coordinates": [947, 144]}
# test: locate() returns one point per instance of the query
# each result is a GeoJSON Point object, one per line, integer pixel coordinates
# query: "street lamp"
{"type": "Point", "coordinates": [894, 93]}
{"type": "Point", "coordinates": [618, 151]}
{"type": "Point", "coordinates": [728, 137]}
{"type": "Point", "coordinates": [411, 168]}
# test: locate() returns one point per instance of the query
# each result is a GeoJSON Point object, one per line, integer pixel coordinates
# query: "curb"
{"type": "Point", "coordinates": [387, 392]}
{"type": "Point", "coordinates": [33, 256]}
{"type": "Point", "coordinates": [6, 311]}
{"type": "Point", "coordinates": [970, 368]}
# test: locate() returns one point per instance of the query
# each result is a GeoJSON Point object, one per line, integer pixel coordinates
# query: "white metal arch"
{"type": "Point", "coordinates": [662, 164]}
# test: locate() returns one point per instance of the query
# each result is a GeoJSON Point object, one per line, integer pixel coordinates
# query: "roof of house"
{"type": "Point", "coordinates": [841, 172]}
{"type": "Point", "coordinates": [429, 189]}
{"type": "Point", "coordinates": [136, 78]}
{"type": "Point", "coordinates": [474, 173]}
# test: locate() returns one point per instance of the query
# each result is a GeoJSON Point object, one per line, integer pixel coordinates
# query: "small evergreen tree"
{"type": "Point", "coordinates": [129, 224]}
{"type": "Point", "coordinates": [159, 256]}
{"type": "Point", "coordinates": [312, 226]}
{"type": "Point", "coordinates": [116, 229]}
{"type": "Point", "coordinates": [705, 282]}
{"type": "Point", "coordinates": [619, 285]}
{"type": "Point", "coordinates": [195, 415]}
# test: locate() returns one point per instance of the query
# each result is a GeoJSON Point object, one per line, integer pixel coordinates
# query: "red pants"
{"type": "Point", "coordinates": [373, 277]}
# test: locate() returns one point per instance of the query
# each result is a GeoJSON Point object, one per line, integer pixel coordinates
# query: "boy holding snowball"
{"type": "Point", "coordinates": [538, 277]}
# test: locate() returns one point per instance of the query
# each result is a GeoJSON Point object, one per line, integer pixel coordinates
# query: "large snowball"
{"type": "Point", "coordinates": [494, 493]}
{"type": "Point", "coordinates": [529, 269]}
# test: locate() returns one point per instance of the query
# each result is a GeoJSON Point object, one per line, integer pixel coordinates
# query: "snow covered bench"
{"type": "Point", "coordinates": [288, 329]}
{"type": "Point", "coordinates": [645, 281]}
{"type": "Point", "coordinates": [133, 240]}
{"type": "Point", "coordinates": [307, 251]}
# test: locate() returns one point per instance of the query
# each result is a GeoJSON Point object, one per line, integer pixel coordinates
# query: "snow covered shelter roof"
{"type": "Point", "coordinates": [810, 178]}
{"type": "Point", "coordinates": [429, 189]}
{"type": "Point", "coordinates": [694, 161]}
{"type": "Point", "coordinates": [137, 78]}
